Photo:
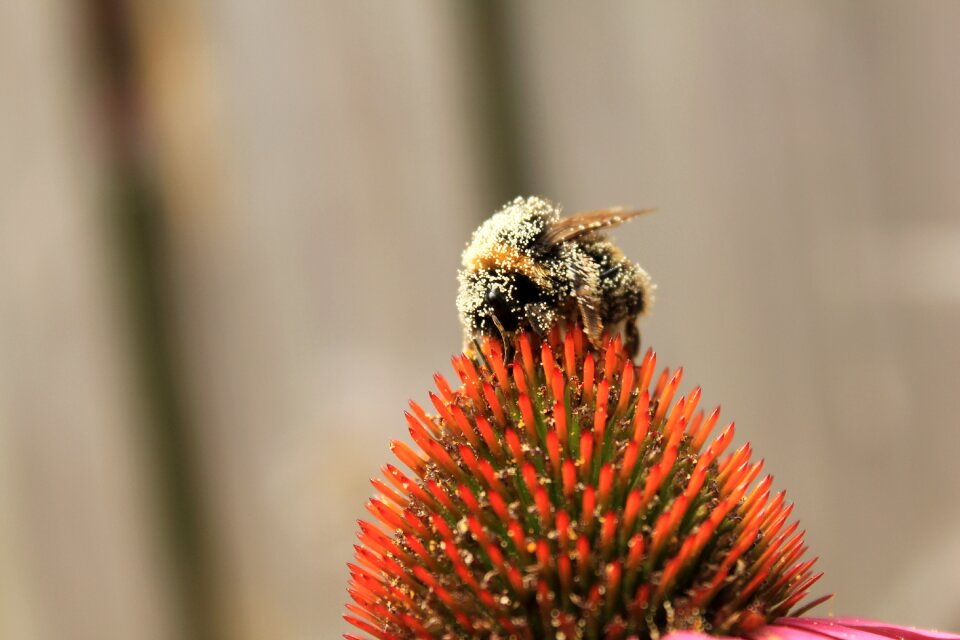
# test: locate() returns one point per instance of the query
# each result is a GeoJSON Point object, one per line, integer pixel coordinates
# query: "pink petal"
{"type": "Point", "coordinates": [785, 632]}
{"type": "Point", "coordinates": [820, 628]}
{"type": "Point", "coordinates": [896, 631]}
{"type": "Point", "coordinates": [695, 635]}
{"type": "Point", "coordinates": [858, 629]}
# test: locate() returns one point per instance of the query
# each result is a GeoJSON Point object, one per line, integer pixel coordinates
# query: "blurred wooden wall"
{"type": "Point", "coordinates": [214, 310]}
{"type": "Point", "coordinates": [80, 551]}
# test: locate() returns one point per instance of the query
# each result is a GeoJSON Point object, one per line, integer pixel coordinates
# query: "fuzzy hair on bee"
{"type": "Point", "coordinates": [528, 268]}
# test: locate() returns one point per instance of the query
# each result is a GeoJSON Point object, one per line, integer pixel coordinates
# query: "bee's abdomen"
{"type": "Point", "coordinates": [624, 286]}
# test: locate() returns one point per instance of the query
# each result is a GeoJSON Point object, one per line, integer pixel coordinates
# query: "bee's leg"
{"type": "Point", "coordinates": [584, 276]}
{"type": "Point", "coordinates": [589, 308]}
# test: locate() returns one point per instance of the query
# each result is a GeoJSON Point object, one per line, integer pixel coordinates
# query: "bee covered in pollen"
{"type": "Point", "coordinates": [528, 268]}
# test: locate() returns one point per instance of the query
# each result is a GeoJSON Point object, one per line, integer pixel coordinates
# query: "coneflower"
{"type": "Point", "coordinates": [563, 491]}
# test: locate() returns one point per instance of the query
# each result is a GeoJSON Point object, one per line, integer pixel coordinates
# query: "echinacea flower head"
{"type": "Point", "coordinates": [561, 490]}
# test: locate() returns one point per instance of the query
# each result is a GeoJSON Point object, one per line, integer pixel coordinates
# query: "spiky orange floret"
{"type": "Point", "coordinates": [555, 495]}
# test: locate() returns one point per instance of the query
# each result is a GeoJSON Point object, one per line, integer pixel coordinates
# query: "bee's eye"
{"type": "Point", "coordinates": [496, 299]}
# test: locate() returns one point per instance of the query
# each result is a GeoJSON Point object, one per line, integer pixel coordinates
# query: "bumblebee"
{"type": "Point", "coordinates": [526, 268]}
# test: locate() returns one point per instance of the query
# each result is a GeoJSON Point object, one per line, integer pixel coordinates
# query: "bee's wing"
{"type": "Point", "coordinates": [585, 222]}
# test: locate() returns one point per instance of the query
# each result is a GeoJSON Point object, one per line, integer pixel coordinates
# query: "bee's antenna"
{"type": "Point", "coordinates": [496, 323]}
{"type": "Point", "coordinates": [503, 335]}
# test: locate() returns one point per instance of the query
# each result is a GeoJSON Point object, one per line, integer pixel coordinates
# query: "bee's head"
{"type": "Point", "coordinates": [503, 271]}
{"type": "Point", "coordinates": [494, 301]}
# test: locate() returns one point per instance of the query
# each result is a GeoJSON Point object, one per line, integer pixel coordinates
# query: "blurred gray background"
{"type": "Point", "coordinates": [229, 233]}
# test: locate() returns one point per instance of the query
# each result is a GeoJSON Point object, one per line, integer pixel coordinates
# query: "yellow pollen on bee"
{"type": "Point", "coordinates": [507, 259]}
